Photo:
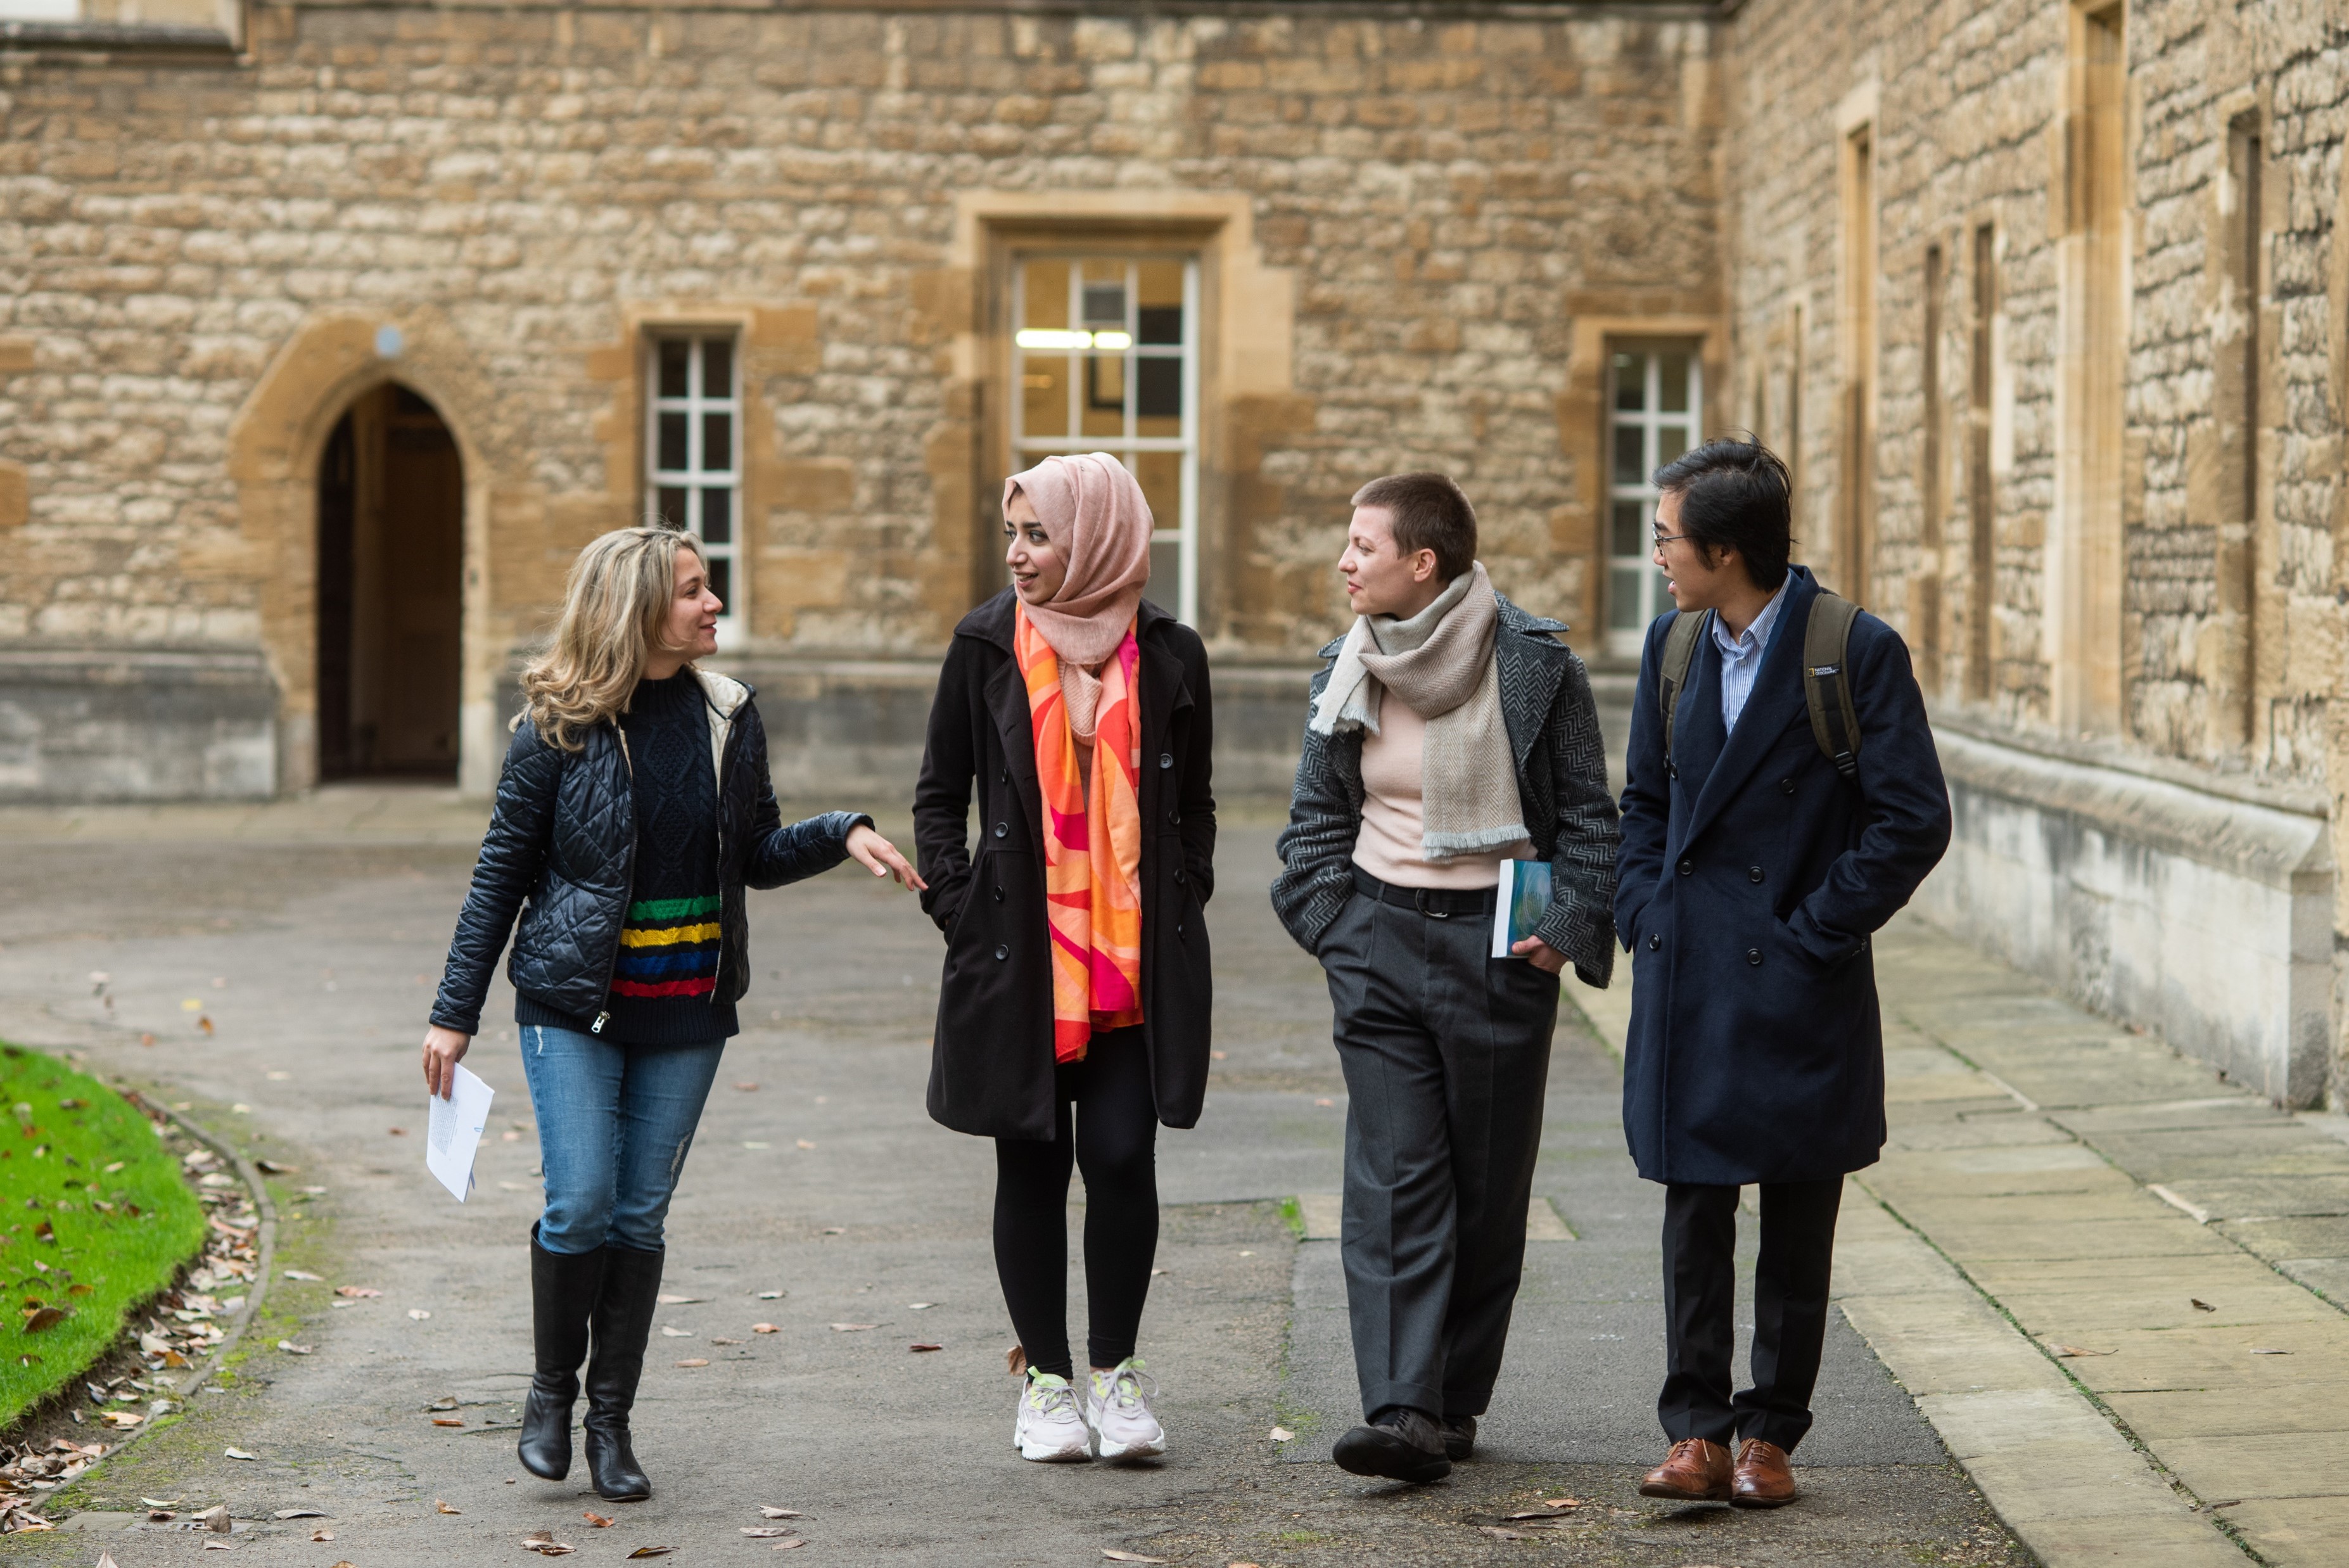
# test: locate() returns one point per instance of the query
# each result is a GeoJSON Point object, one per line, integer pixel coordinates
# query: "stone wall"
{"type": "Point", "coordinates": [203, 256]}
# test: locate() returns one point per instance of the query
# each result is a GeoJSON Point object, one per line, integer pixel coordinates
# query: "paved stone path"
{"type": "Point", "coordinates": [322, 922]}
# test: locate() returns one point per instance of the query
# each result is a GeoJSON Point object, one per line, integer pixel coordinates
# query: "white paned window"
{"type": "Point", "coordinates": [1105, 357]}
{"type": "Point", "coordinates": [1651, 417]}
{"type": "Point", "coordinates": [695, 439]}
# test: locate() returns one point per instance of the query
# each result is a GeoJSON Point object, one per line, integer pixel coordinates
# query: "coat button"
{"type": "Point", "coordinates": [1788, 786]}
{"type": "Point", "coordinates": [1178, 878]}
{"type": "Point", "coordinates": [999, 895]}
{"type": "Point", "coordinates": [1686, 866]}
{"type": "Point", "coordinates": [1002, 830]}
{"type": "Point", "coordinates": [1178, 927]}
{"type": "Point", "coordinates": [1753, 955]}
{"type": "Point", "coordinates": [1655, 943]}
{"type": "Point", "coordinates": [1006, 775]}
{"type": "Point", "coordinates": [1754, 873]}
{"type": "Point", "coordinates": [1175, 817]}
{"type": "Point", "coordinates": [1001, 952]}
{"type": "Point", "coordinates": [1165, 759]}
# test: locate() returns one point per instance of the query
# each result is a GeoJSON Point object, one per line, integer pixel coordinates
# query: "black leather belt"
{"type": "Point", "coordinates": [1435, 903]}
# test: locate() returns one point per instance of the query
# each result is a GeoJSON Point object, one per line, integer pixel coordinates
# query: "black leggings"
{"type": "Point", "coordinates": [1115, 1141]}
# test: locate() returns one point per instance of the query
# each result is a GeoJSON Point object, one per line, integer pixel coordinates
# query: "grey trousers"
{"type": "Point", "coordinates": [1446, 1055]}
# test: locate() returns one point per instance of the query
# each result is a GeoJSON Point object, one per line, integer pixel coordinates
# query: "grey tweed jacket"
{"type": "Point", "coordinates": [1561, 780]}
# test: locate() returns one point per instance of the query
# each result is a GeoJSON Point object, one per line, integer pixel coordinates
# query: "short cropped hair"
{"type": "Point", "coordinates": [1430, 513]}
{"type": "Point", "coordinates": [1735, 494]}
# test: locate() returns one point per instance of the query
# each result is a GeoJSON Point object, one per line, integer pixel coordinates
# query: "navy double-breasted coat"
{"type": "Point", "coordinates": [1752, 875]}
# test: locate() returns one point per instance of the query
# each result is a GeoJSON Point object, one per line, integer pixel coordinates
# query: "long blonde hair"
{"type": "Point", "coordinates": [614, 605]}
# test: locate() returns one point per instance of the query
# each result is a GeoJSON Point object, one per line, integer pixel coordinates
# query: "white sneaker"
{"type": "Point", "coordinates": [1117, 1407]}
{"type": "Point", "coordinates": [1049, 1430]}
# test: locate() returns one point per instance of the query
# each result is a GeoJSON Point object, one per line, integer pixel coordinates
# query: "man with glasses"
{"type": "Point", "coordinates": [1752, 873]}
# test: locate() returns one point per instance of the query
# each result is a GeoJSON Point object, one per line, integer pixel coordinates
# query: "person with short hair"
{"type": "Point", "coordinates": [1450, 732]}
{"type": "Point", "coordinates": [1073, 1015]}
{"type": "Point", "coordinates": [633, 810]}
{"type": "Point", "coordinates": [1754, 873]}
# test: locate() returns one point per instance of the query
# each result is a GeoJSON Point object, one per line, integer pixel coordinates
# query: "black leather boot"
{"type": "Point", "coordinates": [623, 1320]}
{"type": "Point", "coordinates": [563, 1289]}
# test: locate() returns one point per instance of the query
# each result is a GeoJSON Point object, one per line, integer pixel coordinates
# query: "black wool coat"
{"type": "Point", "coordinates": [991, 1068]}
{"type": "Point", "coordinates": [1752, 877]}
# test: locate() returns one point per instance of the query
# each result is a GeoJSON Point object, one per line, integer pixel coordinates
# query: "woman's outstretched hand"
{"type": "Point", "coordinates": [443, 1049]}
{"type": "Point", "coordinates": [880, 856]}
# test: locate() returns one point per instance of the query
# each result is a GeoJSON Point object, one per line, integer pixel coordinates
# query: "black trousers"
{"type": "Point", "coordinates": [1108, 1130]}
{"type": "Point", "coordinates": [1446, 1054]}
{"type": "Point", "coordinates": [1790, 1310]}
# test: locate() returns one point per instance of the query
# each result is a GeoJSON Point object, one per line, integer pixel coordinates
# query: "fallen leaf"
{"type": "Point", "coordinates": [850, 1327]}
{"type": "Point", "coordinates": [164, 1501]}
{"type": "Point", "coordinates": [2263, 1350]}
{"type": "Point", "coordinates": [597, 1519]}
{"type": "Point", "coordinates": [1117, 1556]}
{"type": "Point", "coordinates": [440, 1507]}
{"type": "Point", "coordinates": [1015, 1360]}
{"type": "Point", "coordinates": [446, 1402]}
{"type": "Point", "coordinates": [669, 1333]}
{"type": "Point", "coordinates": [1325, 1102]}
{"type": "Point", "coordinates": [146, 1039]}
{"type": "Point", "coordinates": [205, 1025]}
{"type": "Point", "coordinates": [1498, 1533]}
{"type": "Point", "coordinates": [322, 1535]}
{"type": "Point", "coordinates": [781, 1512]}
{"type": "Point", "coordinates": [835, 1229]}
{"type": "Point", "coordinates": [418, 1313]}
{"type": "Point", "coordinates": [666, 1300]}
{"type": "Point", "coordinates": [305, 1275]}
{"type": "Point", "coordinates": [123, 1421]}
{"type": "Point", "coordinates": [272, 1168]}
{"type": "Point", "coordinates": [37, 1319]}
{"type": "Point", "coordinates": [216, 1518]}
{"type": "Point", "coordinates": [217, 1545]}
{"type": "Point", "coordinates": [2079, 1350]}
{"type": "Point", "coordinates": [1561, 1502]}
{"type": "Point", "coordinates": [787, 1545]}
{"type": "Point", "coordinates": [694, 1361]}
{"type": "Point", "coordinates": [290, 1348]}
{"type": "Point", "coordinates": [299, 1513]}
{"type": "Point", "coordinates": [919, 1306]}
{"type": "Point", "coordinates": [447, 1421]}
{"type": "Point", "coordinates": [746, 1088]}
{"type": "Point", "coordinates": [356, 1293]}
{"type": "Point", "coordinates": [717, 1341]}
{"type": "Point", "coordinates": [549, 1548]}
{"type": "Point", "coordinates": [765, 1328]}
{"type": "Point", "coordinates": [772, 1296]}
{"type": "Point", "coordinates": [768, 1532]}
{"type": "Point", "coordinates": [1280, 1435]}
{"type": "Point", "coordinates": [1539, 1513]}
{"type": "Point", "coordinates": [400, 1132]}
{"type": "Point", "coordinates": [804, 1144]}
{"type": "Point", "coordinates": [2198, 1304]}
{"type": "Point", "coordinates": [923, 1345]}
{"type": "Point", "coordinates": [652, 1552]}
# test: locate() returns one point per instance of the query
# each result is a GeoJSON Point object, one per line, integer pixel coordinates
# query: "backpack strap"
{"type": "Point", "coordinates": [1827, 680]}
{"type": "Point", "coordinates": [1680, 647]}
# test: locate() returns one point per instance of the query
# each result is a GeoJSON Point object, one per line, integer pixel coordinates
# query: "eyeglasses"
{"type": "Point", "coordinates": [1663, 539]}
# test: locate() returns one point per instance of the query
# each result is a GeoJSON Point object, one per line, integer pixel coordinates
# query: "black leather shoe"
{"type": "Point", "coordinates": [562, 1287]}
{"type": "Point", "coordinates": [1400, 1445]}
{"type": "Point", "coordinates": [623, 1320]}
{"type": "Point", "coordinates": [1459, 1436]}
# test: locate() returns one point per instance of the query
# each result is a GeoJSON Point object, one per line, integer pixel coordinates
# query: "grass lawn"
{"type": "Point", "coordinates": [94, 1219]}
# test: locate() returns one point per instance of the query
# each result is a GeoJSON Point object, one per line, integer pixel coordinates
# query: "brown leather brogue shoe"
{"type": "Point", "coordinates": [1694, 1472]}
{"type": "Point", "coordinates": [1764, 1478]}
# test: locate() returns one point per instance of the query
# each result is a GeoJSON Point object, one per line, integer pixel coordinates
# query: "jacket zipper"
{"type": "Point", "coordinates": [725, 745]}
{"type": "Point", "coordinates": [629, 896]}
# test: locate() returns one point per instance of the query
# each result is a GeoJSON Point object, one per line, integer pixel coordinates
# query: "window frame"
{"type": "Point", "coordinates": [1027, 450]}
{"type": "Point", "coordinates": [1627, 642]}
{"type": "Point", "coordinates": [734, 621]}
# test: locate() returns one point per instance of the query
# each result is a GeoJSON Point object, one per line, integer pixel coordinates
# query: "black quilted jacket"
{"type": "Point", "coordinates": [564, 838]}
{"type": "Point", "coordinates": [1561, 781]}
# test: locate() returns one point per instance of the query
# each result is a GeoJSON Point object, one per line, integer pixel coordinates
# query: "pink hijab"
{"type": "Point", "coordinates": [1094, 514]}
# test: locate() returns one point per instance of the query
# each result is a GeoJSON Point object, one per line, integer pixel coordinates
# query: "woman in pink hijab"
{"type": "Point", "coordinates": [1073, 1015]}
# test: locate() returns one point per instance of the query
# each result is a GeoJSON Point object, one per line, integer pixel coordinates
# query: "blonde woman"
{"type": "Point", "coordinates": [634, 810]}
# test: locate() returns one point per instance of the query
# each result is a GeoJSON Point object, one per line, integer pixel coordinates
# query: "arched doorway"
{"type": "Point", "coordinates": [391, 506]}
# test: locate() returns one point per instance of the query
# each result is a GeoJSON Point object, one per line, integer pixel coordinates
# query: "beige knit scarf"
{"type": "Point", "coordinates": [1440, 662]}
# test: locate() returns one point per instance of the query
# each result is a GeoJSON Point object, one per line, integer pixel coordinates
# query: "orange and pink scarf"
{"type": "Point", "coordinates": [1092, 843]}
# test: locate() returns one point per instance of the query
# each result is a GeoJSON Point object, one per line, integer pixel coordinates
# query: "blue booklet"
{"type": "Point", "coordinates": [1518, 903]}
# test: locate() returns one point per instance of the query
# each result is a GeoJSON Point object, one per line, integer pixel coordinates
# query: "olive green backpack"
{"type": "Point", "coordinates": [1827, 684]}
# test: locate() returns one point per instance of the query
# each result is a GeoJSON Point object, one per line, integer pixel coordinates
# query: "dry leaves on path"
{"type": "Point", "coordinates": [305, 1274]}
{"type": "Point", "coordinates": [851, 1327]}
{"type": "Point", "coordinates": [290, 1348]}
{"type": "Point", "coordinates": [1280, 1435]}
{"type": "Point", "coordinates": [356, 1293]}
{"type": "Point", "coordinates": [447, 1421]}
{"type": "Point", "coordinates": [322, 1535]}
{"type": "Point", "coordinates": [781, 1512]}
{"type": "Point", "coordinates": [543, 1542]}
{"type": "Point", "coordinates": [919, 1345]}
{"type": "Point", "coordinates": [694, 1361]}
{"type": "Point", "coordinates": [652, 1552]}
{"type": "Point", "coordinates": [1117, 1556]}
{"type": "Point", "coordinates": [765, 1328]}
{"type": "Point", "coordinates": [597, 1519]}
{"type": "Point", "coordinates": [238, 1454]}
{"type": "Point", "coordinates": [769, 1531]}
{"type": "Point", "coordinates": [440, 1507]}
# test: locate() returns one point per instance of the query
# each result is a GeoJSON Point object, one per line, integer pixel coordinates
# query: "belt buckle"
{"type": "Point", "coordinates": [1419, 898]}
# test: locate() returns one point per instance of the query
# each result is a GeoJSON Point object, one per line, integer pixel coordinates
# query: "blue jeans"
{"type": "Point", "coordinates": [614, 1124]}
